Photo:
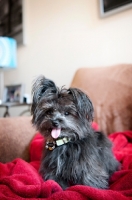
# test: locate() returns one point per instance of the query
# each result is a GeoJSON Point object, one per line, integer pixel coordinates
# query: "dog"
{"type": "Point", "coordinates": [74, 153]}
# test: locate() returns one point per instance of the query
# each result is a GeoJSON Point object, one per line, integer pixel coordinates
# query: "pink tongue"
{"type": "Point", "coordinates": [55, 133]}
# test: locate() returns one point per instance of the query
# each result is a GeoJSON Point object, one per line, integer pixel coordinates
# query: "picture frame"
{"type": "Point", "coordinates": [13, 94]}
{"type": "Point", "coordinates": [12, 18]}
{"type": "Point", "coordinates": [110, 7]}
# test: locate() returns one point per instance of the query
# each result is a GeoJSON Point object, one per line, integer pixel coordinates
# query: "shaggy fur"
{"type": "Point", "coordinates": [87, 158]}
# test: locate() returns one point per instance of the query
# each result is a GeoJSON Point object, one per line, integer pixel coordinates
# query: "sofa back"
{"type": "Point", "coordinates": [110, 89]}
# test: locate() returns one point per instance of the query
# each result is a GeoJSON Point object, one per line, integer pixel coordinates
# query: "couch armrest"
{"type": "Point", "coordinates": [16, 134]}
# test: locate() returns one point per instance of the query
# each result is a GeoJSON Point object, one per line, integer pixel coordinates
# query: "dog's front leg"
{"type": "Point", "coordinates": [63, 183]}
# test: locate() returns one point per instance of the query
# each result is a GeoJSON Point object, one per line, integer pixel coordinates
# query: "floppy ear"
{"type": "Point", "coordinates": [39, 87]}
{"type": "Point", "coordinates": [83, 103]}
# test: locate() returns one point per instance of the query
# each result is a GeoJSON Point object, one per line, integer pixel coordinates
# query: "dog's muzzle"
{"type": "Point", "coordinates": [51, 145]}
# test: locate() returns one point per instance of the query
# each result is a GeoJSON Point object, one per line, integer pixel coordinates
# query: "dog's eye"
{"type": "Point", "coordinates": [66, 113]}
{"type": "Point", "coordinates": [49, 112]}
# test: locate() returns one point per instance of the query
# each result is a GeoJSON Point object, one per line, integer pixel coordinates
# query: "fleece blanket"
{"type": "Point", "coordinates": [20, 180]}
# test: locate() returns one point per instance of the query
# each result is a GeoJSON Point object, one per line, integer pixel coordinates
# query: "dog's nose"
{"type": "Point", "coordinates": [55, 123]}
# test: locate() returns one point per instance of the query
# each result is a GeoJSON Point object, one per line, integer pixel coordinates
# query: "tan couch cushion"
{"type": "Point", "coordinates": [110, 89]}
{"type": "Point", "coordinates": [16, 134]}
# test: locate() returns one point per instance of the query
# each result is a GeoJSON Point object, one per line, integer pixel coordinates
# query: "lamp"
{"type": "Point", "coordinates": [8, 47]}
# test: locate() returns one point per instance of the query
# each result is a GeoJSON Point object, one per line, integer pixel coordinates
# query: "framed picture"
{"type": "Point", "coordinates": [13, 94]}
{"type": "Point", "coordinates": [12, 19]}
{"type": "Point", "coordinates": [109, 7]}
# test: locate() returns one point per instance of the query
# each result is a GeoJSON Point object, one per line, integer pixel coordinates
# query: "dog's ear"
{"type": "Point", "coordinates": [83, 103]}
{"type": "Point", "coordinates": [39, 87]}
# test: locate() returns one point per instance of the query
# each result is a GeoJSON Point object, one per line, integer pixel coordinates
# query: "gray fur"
{"type": "Point", "coordinates": [87, 159]}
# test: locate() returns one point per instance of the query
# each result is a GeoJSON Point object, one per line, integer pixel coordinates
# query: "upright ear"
{"type": "Point", "coordinates": [39, 87]}
{"type": "Point", "coordinates": [83, 103]}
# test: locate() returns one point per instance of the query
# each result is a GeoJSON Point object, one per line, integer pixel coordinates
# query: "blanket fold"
{"type": "Point", "coordinates": [20, 180]}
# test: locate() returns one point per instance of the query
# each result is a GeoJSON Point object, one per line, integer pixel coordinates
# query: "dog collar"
{"type": "Point", "coordinates": [50, 145]}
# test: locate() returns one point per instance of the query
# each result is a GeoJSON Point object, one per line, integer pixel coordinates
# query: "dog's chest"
{"type": "Point", "coordinates": [68, 158]}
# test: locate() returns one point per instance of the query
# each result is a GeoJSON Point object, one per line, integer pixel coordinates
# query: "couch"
{"type": "Point", "coordinates": [16, 134]}
{"type": "Point", "coordinates": [110, 90]}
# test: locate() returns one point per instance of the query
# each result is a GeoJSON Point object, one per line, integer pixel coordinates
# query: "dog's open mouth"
{"type": "Point", "coordinates": [55, 133]}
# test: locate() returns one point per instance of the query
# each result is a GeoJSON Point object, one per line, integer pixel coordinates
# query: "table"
{"type": "Point", "coordinates": [14, 104]}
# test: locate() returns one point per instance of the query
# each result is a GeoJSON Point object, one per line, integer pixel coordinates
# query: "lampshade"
{"type": "Point", "coordinates": [8, 51]}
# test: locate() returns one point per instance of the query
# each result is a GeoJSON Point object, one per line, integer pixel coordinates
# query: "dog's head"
{"type": "Point", "coordinates": [60, 112]}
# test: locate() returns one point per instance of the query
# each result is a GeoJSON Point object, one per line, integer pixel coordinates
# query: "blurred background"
{"type": "Point", "coordinates": [60, 36]}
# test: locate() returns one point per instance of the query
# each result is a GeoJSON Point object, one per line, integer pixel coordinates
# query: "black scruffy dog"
{"type": "Point", "coordinates": [74, 153]}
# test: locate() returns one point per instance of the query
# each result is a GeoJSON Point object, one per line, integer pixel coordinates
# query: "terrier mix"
{"type": "Point", "coordinates": [74, 153]}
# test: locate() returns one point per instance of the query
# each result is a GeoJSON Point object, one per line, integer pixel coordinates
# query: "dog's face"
{"type": "Point", "coordinates": [60, 112]}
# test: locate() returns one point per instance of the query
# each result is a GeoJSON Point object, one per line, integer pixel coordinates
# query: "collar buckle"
{"type": "Point", "coordinates": [62, 141]}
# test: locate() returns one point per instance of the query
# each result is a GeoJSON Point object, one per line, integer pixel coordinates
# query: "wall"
{"type": "Point", "coordinates": [65, 35]}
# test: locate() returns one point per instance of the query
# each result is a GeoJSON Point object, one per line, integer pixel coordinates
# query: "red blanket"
{"type": "Point", "coordinates": [20, 180]}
